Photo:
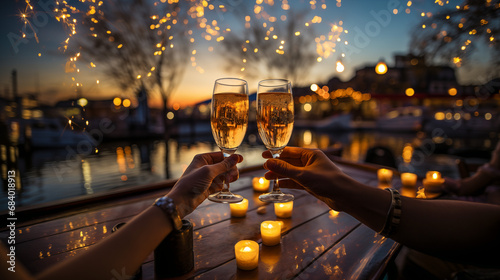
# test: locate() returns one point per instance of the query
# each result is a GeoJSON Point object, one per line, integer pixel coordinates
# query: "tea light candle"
{"type": "Point", "coordinates": [247, 254]}
{"type": "Point", "coordinates": [260, 184]}
{"type": "Point", "coordinates": [433, 175]}
{"type": "Point", "coordinates": [433, 181]}
{"type": "Point", "coordinates": [384, 175]}
{"type": "Point", "coordinates": [239, 209]}
{"type": "Point", "coordinates": [409, 179]}
{"type": "Point", "coordinates": [283, 210]}
{"type": "Point", "coordinates": [271, 232]}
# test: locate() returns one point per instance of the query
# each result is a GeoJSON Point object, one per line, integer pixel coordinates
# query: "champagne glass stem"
{"type": "Point", "coordinates": [225, 178]}
{"type": "Point", "coordinates": [225, 195]}
{"type": "Point", "coordinates": [276, 187]}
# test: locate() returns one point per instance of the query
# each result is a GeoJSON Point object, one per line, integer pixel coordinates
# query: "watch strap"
{"type": "Point", "coordinates": [167, 205]}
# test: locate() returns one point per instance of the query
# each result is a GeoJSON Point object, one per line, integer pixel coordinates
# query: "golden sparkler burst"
{"type": "Point", "coordinates": [207, 16]}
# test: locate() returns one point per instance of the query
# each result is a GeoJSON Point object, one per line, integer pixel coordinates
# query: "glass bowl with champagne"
{"type": "Point", "coordinates": [229, 121]}
{"type": "Point", "coordinates": [275, 117]}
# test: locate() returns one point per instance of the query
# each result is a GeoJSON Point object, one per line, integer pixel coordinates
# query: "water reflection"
{"type": "Point", "coordinates": [49, 175]}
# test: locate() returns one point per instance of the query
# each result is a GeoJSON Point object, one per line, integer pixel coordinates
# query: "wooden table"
{"type": "Point", "coordinates": [316, 242]}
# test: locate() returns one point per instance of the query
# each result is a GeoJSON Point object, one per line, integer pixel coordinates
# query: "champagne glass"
{"type": "Point", "coordinates": [229, 120]}
{"type": "Point", "coordinates": [275, 124]}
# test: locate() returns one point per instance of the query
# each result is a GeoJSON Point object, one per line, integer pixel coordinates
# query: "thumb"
{"type": "Point", "coordinates": [224, 166]}
{"type": "Point", "coordinates": [282, 168]}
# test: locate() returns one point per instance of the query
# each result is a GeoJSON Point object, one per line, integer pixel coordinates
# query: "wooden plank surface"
{"type": "Point", "coordinates": [313, 236]}
{"type": "Point", "coordinates": [358, 256]}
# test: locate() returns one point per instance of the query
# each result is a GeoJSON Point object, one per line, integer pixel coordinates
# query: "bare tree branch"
{"type": "Point", "coordinates": [286, 51]}
{"type": "Point", "coordinates": [126, 40]}
{"type": "Point", "coordinates": [454, 35]}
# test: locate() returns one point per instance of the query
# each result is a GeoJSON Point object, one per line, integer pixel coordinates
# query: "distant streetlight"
{"type": "Point", "coordinates": [340, 67]}
{"type": "Point", "coordinates": [409, 92]}
{"type": "Point", "coordinates": [381, 68]}
{"type": "Point", "coordinates": [314, 87]}
{"type": "Point", "coordinates": [82, 102]}
{"type": "Point", "coordinates": [452, 91]}
{"type": "Point", "coordinates": [117, 101]}
{"type": "Point", "coordinates": [126, 103]}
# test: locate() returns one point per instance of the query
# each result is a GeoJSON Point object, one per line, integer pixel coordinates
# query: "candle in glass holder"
{"type": "Point", "coordinates": [408, 180]}
{"type": "Point", "coordinates": [384, 176]}
{"type": "Point", "coordinates": [433, 175]}
{"type": "Point", "coordinates": [270, 232]}
{"type": "Point", "coordinates": [247, 254]}
{"type": "Point", "coordinates": [260, 184]}
{"type": "Point", "coordinates": [283, 210]}
{"type": "Point", "coordinates": [433, 181]}
{"type": "Point", "coordinates": [239, 209]}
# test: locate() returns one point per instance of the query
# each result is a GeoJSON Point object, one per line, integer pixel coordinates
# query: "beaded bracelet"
{"type": "Point", "coordinates": [393, 215]}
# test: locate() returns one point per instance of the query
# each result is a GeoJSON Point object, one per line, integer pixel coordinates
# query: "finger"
{"type": "Point", "coordinates": [271, 176]}
{"type": "Point", "coordinates": [213, 157]}
{"type": "Point", "coordinates": [216, 157]}
{"type": "Point", "coordinates": [224, 166]}
{"type": "Point", "coordinates": [267, 154]}
{"type": "Point", "coordinates": [295, 152]}
{"type": "Point", "coordinates": [233, 174]}
{"type": "Point", "coordinates": [282, 168]}
{"type": "Point", "coordinates": [288, 152]}
{"type": "Point", "coordinates": [290, 184]}
{"type": "Point", "coordinates": [216, 185]}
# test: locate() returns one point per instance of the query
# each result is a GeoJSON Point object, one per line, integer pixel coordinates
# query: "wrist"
{"type": "Point", "coordinates": [489, 170]}
{"type": "Point", "coordinates": [345, 193]}
{"type": "Point", "coordinates": [451, 186]}
{"type": "Point", "coordinates": [182, 207]}
{"type": "Point", "coordinates": [169, 208]}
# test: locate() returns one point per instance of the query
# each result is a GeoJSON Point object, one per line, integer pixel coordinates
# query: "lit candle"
{"type": "Point", "coordinates": [434, 175]}
{"type": "Point", "coordinates": [384, 176]}
{"type": "Point", "coordinates": [247, 254]}
{"type": "Point", "coordinates": [433, 181]}
{"type": "Point", "coordinates": [270, 232]}
{"type": "Point", "coordinates": [409, 179]}
{"type": "Point", "coordinates": [283, 210]}
{"type": "Point", "coordinates": [260, 184]}
{"type": "Point", "coordinates": [239, 210]}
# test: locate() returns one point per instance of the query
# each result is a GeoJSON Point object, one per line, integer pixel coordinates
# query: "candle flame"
{"type": "Point", "coordinates": [261, 180]}
{"type": "Point", "coordinates": [434, 176]}
{"type": "Point", "coordinates": [246, 249]}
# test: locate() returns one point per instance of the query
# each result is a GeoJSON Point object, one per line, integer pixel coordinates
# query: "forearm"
{"type": "Point", "coordinates": [455, 230]}
{"type": "Point", "coordinates": [124, 250]}
{"type": "Point", "coordinates": [476, 183]}
{"type": "Point", "coordinates": [367, 204]}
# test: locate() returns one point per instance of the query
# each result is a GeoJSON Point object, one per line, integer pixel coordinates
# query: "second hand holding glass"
{"type": "Point", "coordinates": [229, 120]}
{"type": "Point", "coordinates": [275, 119]}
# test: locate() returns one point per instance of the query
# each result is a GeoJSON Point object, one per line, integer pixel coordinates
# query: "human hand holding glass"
{"type": "Point", "coordinates": [229, 121]}
{"type": "Point", "coordinates": [275, 119]}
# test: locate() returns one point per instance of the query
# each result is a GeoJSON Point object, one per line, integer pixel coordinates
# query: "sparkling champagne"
{"type": "Point", "coordinates": [229, 120]}
{"type": "Point", "coordinates": [275, 119]}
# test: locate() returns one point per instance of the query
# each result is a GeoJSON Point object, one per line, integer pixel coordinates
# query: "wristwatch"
{"type": "Point", "coordinates": [167, 205]}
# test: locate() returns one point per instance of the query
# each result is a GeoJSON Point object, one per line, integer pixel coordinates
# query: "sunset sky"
{"type": "Point", "coordinates": [40, 66]}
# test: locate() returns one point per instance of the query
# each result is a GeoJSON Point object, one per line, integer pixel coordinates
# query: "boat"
{"type": "Point", "coordinates": [473, 127]}
{"type": "Point", "coordinates": [48, 133]}
{"type": "Point", "coordinates": [334, 122]}
{"type": "Point", "coordinates": [402, 119]}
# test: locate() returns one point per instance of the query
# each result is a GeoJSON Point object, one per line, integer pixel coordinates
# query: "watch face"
{"type": "Point", "coordinates": [168, 207]}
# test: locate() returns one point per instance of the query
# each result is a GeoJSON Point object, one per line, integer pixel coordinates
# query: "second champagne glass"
{"type": "Point", "coordinates": [229, 120]}
{"type": "Point", "coordinates": [275, 124]}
